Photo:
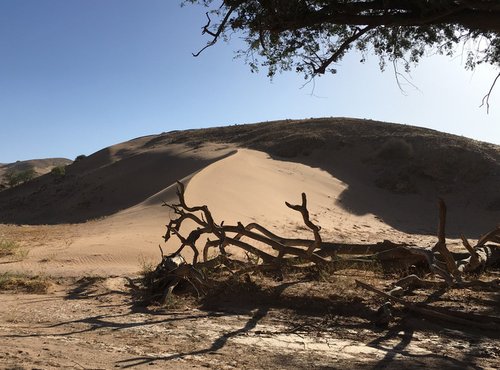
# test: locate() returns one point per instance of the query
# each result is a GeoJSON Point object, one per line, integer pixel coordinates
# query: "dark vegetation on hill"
{"type": "Point", "coordinates": [13, 174]}
{"type": "Point", "coordinates": [402, 162]}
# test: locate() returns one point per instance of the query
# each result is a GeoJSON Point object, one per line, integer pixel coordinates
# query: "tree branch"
{"type": "Point", "coordinates": [486, 98]}
{"type": "Point", "coordinates": [342, 48]}
{"type": "Point", "coordinates": [305, 216]}
{"type": "Point", "coordinates": [216, 34]}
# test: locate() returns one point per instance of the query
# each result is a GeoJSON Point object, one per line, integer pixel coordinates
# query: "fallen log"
{"type": "Point", "coordinates": [482, 255]}
{"type": "Point", "coordinates": [467, 319]}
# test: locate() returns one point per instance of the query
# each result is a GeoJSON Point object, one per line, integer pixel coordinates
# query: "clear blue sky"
{"type": "Point", "coordinates": [80, 75]}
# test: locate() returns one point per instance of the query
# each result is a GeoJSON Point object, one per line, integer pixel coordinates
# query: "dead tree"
{"type": "Point", "coordinates": [224, 235]}
{"type": "Point", "coordinates": [442, 263]}
{"type": "Point", "coordinates": [283, 252]}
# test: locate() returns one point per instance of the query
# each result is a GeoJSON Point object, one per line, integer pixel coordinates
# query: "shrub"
{"type": "Point", "coordinates": [396, 148]}
{"type": "Point", "coordinates": [58, 171]}
{"type": "Point", "coordinates": [24, 283]}
{"type": "Point", "coordinates": [80, 157]}
{"type": "Point", "coordinates": [7, 247]}
{"type": "Point", "coordinates": [12, 249]}
{"type": "Point", "coordinates": [15, 178]}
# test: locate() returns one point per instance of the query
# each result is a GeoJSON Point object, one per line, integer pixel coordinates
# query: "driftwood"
{"type": "Point", "coordinates": [467, 319]}
{"type": "Point", "coordinates": [281, 252]}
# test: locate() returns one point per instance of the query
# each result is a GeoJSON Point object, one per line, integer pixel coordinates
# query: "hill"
{"type": "Point", "coordinates": [395, 172]}
{"type": "Point", "coordinates": [36, 167]}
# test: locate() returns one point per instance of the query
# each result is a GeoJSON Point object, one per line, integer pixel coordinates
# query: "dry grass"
{"type": "Point", "coordinates": [8, 247]}
{"type": "Point", "coordinates": [24, 283]}
{"type": "Point", "coordinates": [147, 266]}
{"type": "Point", "coordinates": [12, 249]}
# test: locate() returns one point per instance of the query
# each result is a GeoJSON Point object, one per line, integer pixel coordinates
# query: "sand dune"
{"type": "Point", "coordinates": [104, 183]}
{"type": "Point", "coordinates": [355, 193]}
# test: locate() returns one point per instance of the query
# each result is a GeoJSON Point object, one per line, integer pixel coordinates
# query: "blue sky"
{"type": "Point", "coordinates": [80, 75]}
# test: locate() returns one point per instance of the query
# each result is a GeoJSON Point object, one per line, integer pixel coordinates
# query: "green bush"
{"type": "Point", "coordinates": [59, 171]}
{"type": "Point", "coordinates": [80, 157]}
{"type": "Point", "coordinates": [15, 178]}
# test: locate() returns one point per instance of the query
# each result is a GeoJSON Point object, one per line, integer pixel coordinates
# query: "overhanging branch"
{"type": "Point", "coordinates": [216, 34]}
{"type": "Point", "coordinates": [342, 48]}
{"type": "Point", "coordinates": [486, 98]}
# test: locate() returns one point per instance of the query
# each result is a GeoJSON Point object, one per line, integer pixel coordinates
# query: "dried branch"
{"type": "Point", "coordinates": [492, 236]}
{"type": "Point", "coordinates": [216, 34]}
{"type": "Point", "coordinates": [486, 98]}
{"type": "Point", "coordinates": [289, 251]}
{"type": "Point", "coordinates": [412, 282]}
{"type": "Point", "coordinates": [207, 225]}
{"type": "Point", "coordinates": [473, 261]}
{"type": "Point", "coordinates": [441, 314]}
{"type": "Point", "coordinates": [481, 255]}
{"type": "Point", "coordinates": [305, 216]}
{"type": "Point", "coordinates": [441, 244]}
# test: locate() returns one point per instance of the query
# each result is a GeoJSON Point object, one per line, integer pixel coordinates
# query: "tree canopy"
{"type": "Point", "coordinates": [311, 36]}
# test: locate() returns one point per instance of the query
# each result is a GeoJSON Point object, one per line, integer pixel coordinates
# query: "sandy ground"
{"type": "Point", "coordinates": [94, 324]}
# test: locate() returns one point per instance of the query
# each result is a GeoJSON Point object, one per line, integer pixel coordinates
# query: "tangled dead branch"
{"type": "Point", "coordinates": [267, 251]}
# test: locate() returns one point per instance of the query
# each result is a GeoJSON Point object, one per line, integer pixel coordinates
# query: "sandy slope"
{"type": "Point", "coordinates": [252, 187]}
